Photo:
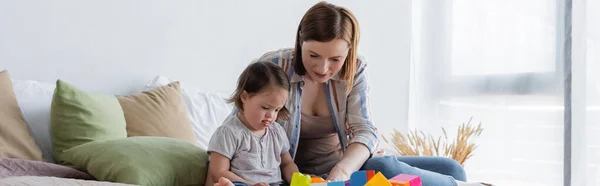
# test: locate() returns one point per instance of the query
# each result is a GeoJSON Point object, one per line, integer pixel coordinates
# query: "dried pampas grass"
{"type": "Point", "coordinates": [418, 144]}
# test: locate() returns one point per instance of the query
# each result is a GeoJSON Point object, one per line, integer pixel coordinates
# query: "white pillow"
{"type": "Point", "coordinates": [206, 110]}
{"type": "Point", "coordinates": [35, 98]}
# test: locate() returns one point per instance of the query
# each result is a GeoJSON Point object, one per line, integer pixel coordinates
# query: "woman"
{"type": "Point", "coordinates": [330, 131]}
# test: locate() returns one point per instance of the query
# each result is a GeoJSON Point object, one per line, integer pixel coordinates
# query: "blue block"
{"type": "Point", "coordinates": [337, 183]}
{"type": "Point", "coordinates": [358, 178]}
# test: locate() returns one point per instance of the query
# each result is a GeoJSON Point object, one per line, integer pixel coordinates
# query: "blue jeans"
{"type": "Point", "coordinates": [434, 171]}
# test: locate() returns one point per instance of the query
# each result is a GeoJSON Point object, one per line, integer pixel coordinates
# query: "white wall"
{"type": "Point", "coordinates": [116, 46]}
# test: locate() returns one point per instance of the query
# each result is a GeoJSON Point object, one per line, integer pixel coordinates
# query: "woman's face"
{"type": "Point", "coordinates": [323, 60]}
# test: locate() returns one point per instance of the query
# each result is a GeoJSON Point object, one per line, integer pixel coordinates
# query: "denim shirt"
{"type": "Point", "coordinates": [351, 112]}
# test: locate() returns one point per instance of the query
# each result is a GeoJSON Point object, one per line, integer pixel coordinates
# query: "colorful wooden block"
{"type": "Point", "coordinates": [358, 178]}
{"type": "Point", "coordinates": [336, 183]}
{"type": "Point", "coordinates": [399, 183]}
{"type": "Point", "coordinates": [299, 179]}
{"type": "Point", "coordinates": [317, 180]}
{"type": "Point", "coordinates": [370, 174]}
{"type": "Point", "coordinates": [378, 180]}
{"type": "Point", "coordinates": [411, 179]}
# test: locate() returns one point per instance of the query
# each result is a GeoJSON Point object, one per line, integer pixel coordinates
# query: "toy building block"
{"type": "Point", "coordinates": [378, 180]}
{"type": "Point", "coordinates": [317, 180]}
{"type": "Point", "coordinates": [411, 179]}
{"type": "Point", "coordinates": [358, 178]}
{"type": "Point", "coordinates": [336, 183]}
{"type": "Point", "coordinates": [370, 174]}
{"type": "Point", "coordinates": [399, 183]}
{"type": "Point", "coordinates": [299, 179]}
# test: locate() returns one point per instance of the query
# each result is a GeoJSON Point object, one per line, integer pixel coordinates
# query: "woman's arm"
{"type": "Point", "coordinates": [219, 167]}
{"type": "Point", "coordinates": [362, 134]}
{"type": "Point", "coordinates": [288, 167]}
{"type": "Point", "coordinates": [358, 112]}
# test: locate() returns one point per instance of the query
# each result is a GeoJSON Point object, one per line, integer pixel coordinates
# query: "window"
{"type": "Point", "coordinates": [510, 43]}
{"type": "Point", "coordinates": [499, 62]}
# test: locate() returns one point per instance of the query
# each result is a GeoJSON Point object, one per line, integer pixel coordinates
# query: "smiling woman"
{"type": "Point", "coordinates": [330, 131]}
{"type": "Point", "coordinates": [323, 59]}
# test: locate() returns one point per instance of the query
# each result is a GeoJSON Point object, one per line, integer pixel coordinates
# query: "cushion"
{"type": "Point", "coordinates": [157, 112]}
{"type": "Point", "coordinates": [54, 181]}
{"type": "Point", "coordinates": [10, 167]}
{"type": "Point", "coordinates": [78, 117]}
{"type": "Point", "coordinates": [206, 110]}
{"type": "Point", "coordinates": [34, 99]}
{"type": "Point", "coordinates": [143, 160]}
{"type": "Point", "coordinates": [15, 139]}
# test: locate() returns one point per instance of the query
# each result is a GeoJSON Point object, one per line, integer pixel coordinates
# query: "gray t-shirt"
{"type": "Point", "coordinates": [252, 157]}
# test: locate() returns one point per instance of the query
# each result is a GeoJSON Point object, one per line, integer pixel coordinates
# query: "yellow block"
{"type": "Point", "coordinates": [299, 179]}
{"type": "Point", "coordinates": [378, 180]}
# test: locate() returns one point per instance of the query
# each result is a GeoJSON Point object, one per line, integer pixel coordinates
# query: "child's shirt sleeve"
{"type": "Point", "coordinates": [224, 142]}
{"type": "Point", "coordinates": [283, 140]}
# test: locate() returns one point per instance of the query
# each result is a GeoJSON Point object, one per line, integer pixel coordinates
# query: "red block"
{"type": "Point", "coordinates": [370, 174]}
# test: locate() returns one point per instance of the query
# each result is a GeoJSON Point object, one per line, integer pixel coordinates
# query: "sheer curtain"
{"type": "Point", "coordinates": [586, 92]}
{"type": "Point", "coordinates": [515, 67]}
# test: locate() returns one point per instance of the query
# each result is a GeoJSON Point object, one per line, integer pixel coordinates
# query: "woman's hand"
{"type": "Point", "coordinates": [354, 157]}
{"type": "Point", "coordinates": [338, 173]}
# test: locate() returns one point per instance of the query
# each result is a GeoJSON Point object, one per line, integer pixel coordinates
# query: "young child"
{"type": "Point", "coordinates": [250, 148]}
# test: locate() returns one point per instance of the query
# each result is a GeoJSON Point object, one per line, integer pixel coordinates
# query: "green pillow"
{"type": "Point", "coordinates": [78, 117]}
{"type": "Point", "coordinates": [142, 160]}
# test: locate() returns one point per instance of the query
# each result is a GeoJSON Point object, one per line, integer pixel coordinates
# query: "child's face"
{"type": "Point", "coordinates": [261, 109]}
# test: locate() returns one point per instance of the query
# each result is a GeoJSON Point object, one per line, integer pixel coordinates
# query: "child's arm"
{"type": "Point", "coordinates": [219, 167]}
{"type": "Point", "coordinates": [288, 167]}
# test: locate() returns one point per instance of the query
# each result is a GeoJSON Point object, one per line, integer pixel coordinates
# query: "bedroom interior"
{"type": "Point", "coordinates": [129, 92]}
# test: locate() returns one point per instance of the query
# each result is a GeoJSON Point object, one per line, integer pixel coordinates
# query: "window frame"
{"type": "Point", "coordinates": [513, 83]}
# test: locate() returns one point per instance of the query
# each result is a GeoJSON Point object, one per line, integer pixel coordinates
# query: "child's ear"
{"type": "Point", "coordinates": [244, 96]}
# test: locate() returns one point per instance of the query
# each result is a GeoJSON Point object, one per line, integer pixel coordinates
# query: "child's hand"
{"type": "Point", "coordinates": [261, 184]}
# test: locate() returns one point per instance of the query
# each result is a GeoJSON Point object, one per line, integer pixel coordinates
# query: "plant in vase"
{"type": "Point", "coordinates": [417, 143]}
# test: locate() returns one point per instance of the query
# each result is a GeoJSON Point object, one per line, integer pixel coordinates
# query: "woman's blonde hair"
{"type": "Point", "coordinates": [324, 22]}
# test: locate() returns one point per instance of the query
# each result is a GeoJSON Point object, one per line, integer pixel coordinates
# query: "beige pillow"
{"type": "Point", "coordinates": [157, 112]}
{"type": "Point", "coordinates": [15, 139]}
